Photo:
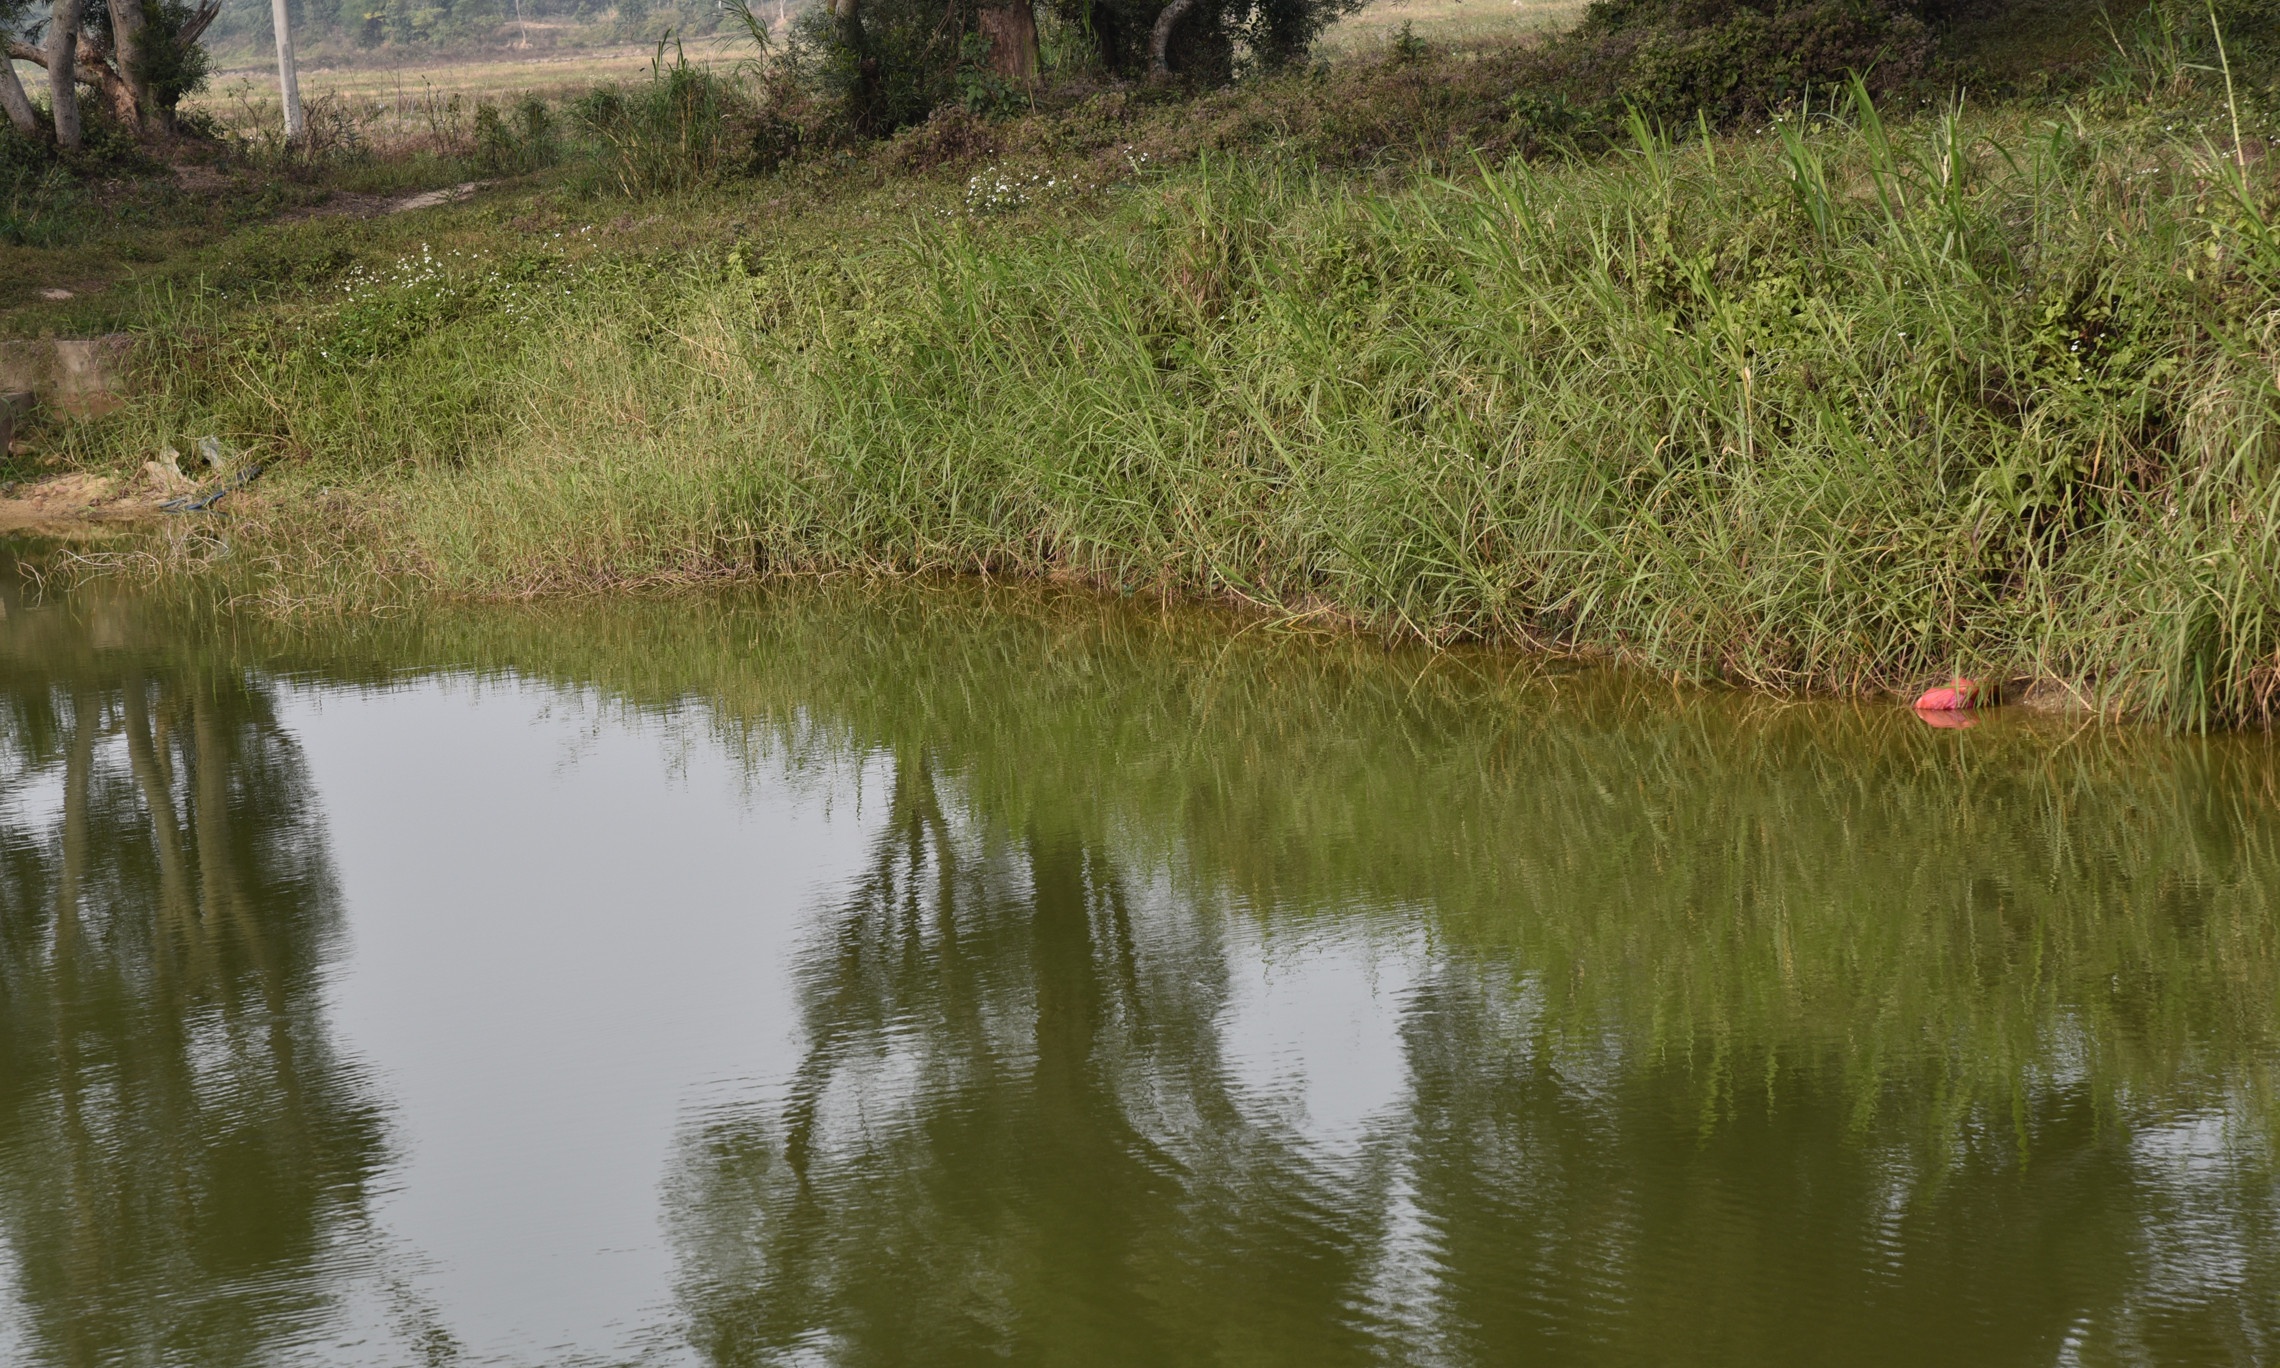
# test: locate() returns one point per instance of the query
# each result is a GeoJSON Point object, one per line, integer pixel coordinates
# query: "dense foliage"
{"type": "Point", "coordinates": [1726, 58]}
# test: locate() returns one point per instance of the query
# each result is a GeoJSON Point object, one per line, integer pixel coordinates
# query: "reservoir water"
{"type": "Point", "coordinates": [955, 973]}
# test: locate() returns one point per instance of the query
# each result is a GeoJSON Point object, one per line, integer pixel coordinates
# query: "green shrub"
{"type": "Point", "coordinates": [172, 67]}
{"type": "Point", "coordinates": [673, 132]}
{"type": "Point", "coordinates": [527, 143]}
{"type": "Point", "coordinates": [45, 194]}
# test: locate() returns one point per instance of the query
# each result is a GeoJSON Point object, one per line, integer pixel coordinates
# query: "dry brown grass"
{"type": "Point", "coordinates": [395, 104]}
{"type": "Point", "coordinates": [1453, 23]}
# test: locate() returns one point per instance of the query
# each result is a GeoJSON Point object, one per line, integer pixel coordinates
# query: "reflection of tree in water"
{"type": "Point", "coordinates": [1785, 1041]}
{"type": "Point", "coordinates": [1717, 1053]}
{"type": "Point", "coordinates": [956, 1170]}
{"type": "Point", "coordinates": [180, 1136]}
{"type": "Point", "coordinates": [1582, 1207]}
{"type": "Point", "coordinates": [1011, 1135]}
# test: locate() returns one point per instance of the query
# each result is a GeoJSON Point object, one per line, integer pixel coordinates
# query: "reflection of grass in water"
{"type": "Point", "coordinates": [1735, 886]}
{"type": "Point", "coordinates": [1795, 954]}
{"type": "Point", "coordinates": [1720, 986]}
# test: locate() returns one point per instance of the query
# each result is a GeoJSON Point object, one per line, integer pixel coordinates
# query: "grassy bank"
{"type": "Point", "coordinates": [1841, 403]}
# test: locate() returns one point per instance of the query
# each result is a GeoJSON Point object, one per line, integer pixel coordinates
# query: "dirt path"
{"type": "Point", "coordinates": [349, 204]}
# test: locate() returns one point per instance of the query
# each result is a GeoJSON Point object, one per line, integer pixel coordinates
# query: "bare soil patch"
{"type": "Point", "coordinates": [81, 499]}
{"type": "Point", "coordinates": [353, 204]}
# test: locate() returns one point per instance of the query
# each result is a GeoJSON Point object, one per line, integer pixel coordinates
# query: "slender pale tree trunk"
{"type": "Point", "coordinates": [14, 100]}
{"type": "Point", "coordinates": [1160, 39]}
{"type": "Point", "coordinates": [288, 76]}
{"type": "Point", "coordinates": [62, 70]}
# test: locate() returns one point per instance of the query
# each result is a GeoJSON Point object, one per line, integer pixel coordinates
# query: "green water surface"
{"type": "Point", "coordinates": [954, 973]}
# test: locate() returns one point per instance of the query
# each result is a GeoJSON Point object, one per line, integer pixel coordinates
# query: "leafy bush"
{"type": "Point", "coordinates": [981, 88]}
{"type": "Point", "coordinates": [1724, 59]}
{"type": "Point", "coordinates": [44, 193]}
{"type": "Point", "coordinates": [172, 67]}
{"type": "Point", "coordinates": [891, 64]}
{"type": "Point", "coordinates": [1273, 33]}
{"type": "Point", "coordinates": [887, 67]}
{"type": "Point", "coordinates": [672, 133]}
{"type": "Point", "coordinates": [525, 144]}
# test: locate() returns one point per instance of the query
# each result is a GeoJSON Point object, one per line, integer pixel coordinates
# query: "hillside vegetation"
{"type": "Point", "coordinates": [1846, 391]}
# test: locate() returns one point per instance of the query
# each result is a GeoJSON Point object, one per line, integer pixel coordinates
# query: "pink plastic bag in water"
{"type": "Point", "coordinates": [1939, 705]}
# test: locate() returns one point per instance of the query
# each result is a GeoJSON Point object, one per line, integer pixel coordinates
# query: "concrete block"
{"type": "Point", "coordinates": [26, 365]}
{"type": "Point", "coordinates": [14, 404]}
{"type": "Point", "coordinates": [91, 373]}
{"type": "Point", "coordinates": [85, 376]}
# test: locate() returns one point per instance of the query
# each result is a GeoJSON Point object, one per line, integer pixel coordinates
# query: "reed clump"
{"type": "Point", "coordinates": [1834, 404]}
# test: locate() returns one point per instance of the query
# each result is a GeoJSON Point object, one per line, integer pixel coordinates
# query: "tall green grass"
{"type": "Point", "coordinates": [673, 132]}
{"type": "Point", "coordinates": [1840, 404]}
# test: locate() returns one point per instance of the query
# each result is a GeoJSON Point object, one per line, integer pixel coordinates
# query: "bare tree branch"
{"type": "Point", "coordinates": [207, 12]}
{"type": "Point", "coordinates": [1160, 39]}
{"type": "Point", "coordinates": [84, 69]}
{"type": "Point", "coordinates": [17, 104]}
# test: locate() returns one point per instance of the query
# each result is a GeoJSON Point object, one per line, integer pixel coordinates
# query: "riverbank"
{"type": "Point", "coordinates": [1840, 404]}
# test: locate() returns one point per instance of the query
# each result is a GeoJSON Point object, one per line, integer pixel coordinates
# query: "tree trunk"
{"type": "Point", "coordinates": [1160, 39]}
{"type": "Point", "coordinates": [63, 85]}
{"type": "Point", "coordinates": [116, 75]}
{"type": "Point", "coordinates": [177, 905]}
{"type": "Point", "coordinates": [133, 101]}
{"type": "Point", "coordinates": [13, 99]}
{"type": "Point", "coordinates": [1011, 31]}
{"type": "Point", "coordinates": [849, 13]}
{"type": "Point", "coordinates": [288, 76]}
{"type": "Point", "coordinates": [97, 66]}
